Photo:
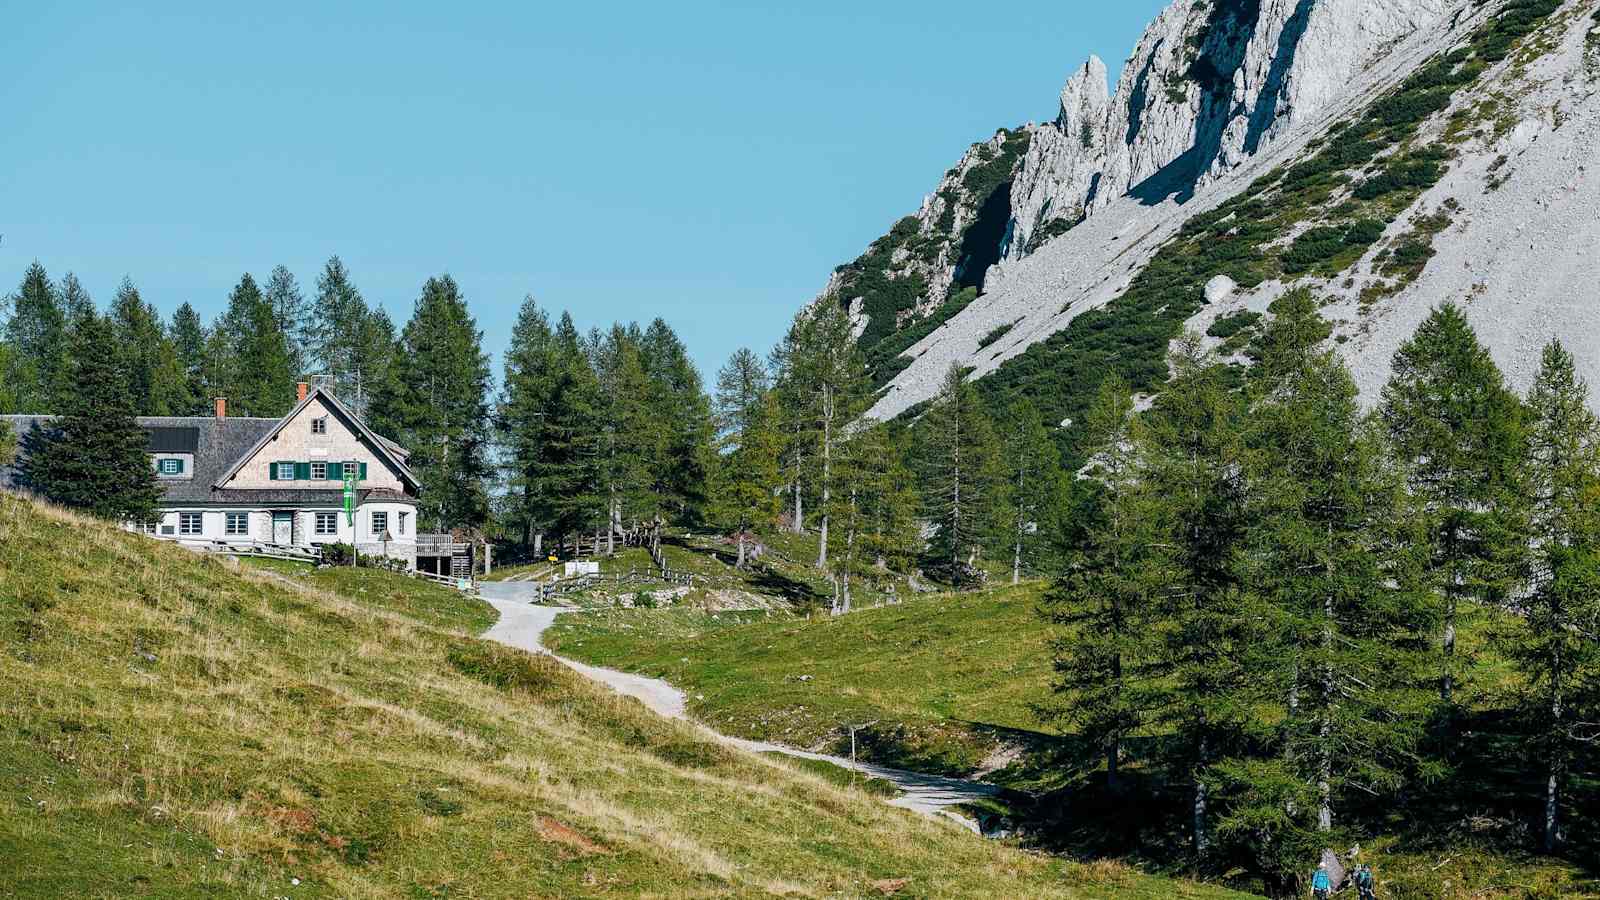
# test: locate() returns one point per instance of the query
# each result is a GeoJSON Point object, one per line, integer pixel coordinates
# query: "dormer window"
{"type": "Point", "coordinates": [319, 426]}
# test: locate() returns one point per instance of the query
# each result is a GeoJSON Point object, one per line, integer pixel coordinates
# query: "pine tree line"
{"type": "Point", "coordinates": [1264, 586]}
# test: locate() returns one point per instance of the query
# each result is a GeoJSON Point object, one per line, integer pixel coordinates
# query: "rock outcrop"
{"type": "Point", "coordinates": [1388, 154]}
{"type": "Point", "coordinates": [1208, 86]}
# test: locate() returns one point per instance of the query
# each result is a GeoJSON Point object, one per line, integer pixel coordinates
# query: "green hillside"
{"type": "Point", "coordinates": [176, 726]}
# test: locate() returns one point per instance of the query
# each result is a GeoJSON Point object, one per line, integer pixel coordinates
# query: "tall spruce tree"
{"type": "Point", "coordinates": [37, 333]}
{"type": "Point", "coordinates": [1193, 473]}
{"type": "Point", "coordinates": [791, 397]}
{"type": "Point", "coordinates": [94, 457]}
{"type": "Point", "coordinates": [442, 408]}
{"type": "Point", "coordinates": [151, 361]}
{"type": "Point", "coordinates": [1103, 599]}
{"type": "Point", "coordinates": [681, 417]}
{"type": "Point", "coordinates": [1461, 434]}
{"type": "Point", "coordinates": [1327, 568]}
{"type": "Point", "coordinates": [524, 420]}
{"type": "Point", "coordinates": [1557, 646]}
{"type": "Point", "coordinates": [259, 370]}
{"type": "Point", "coordinates": [958, 459]}
{"type": "Point", "coordinates": [188, 336]}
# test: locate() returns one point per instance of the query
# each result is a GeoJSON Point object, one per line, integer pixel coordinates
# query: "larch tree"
{"type": "Point", "coordinates": [681, 419]}
{"type": "Point", "coordinates": [745, 476]}
{"type": "Point", "coordinates": [830, 387]}
{"type": "Point", "coordinates": [958, 458]}
{"type": "Point", "coordinates": [1557, 646]}
{"type": "Point", "coordinates": [442, 407]}
{"type": "Point", "coordinates": [76, 303]}
{"type": "Point", "coordinates": [1033, 484]}
{"type": "Point", "coordinates": [1461, 434]}
{"type": "Point", "coordinates": [349, 342]}
{"type": "Point", "coordinates": [282, 293]}
{"type": "Point", "coordinates": [94, 458]}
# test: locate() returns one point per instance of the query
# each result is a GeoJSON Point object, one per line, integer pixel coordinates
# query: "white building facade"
{"type": "Point", "coordinates": [247, 480]}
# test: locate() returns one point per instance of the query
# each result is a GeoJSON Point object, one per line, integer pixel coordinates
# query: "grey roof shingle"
{"type": "Point", "coordinates": [219, 442]}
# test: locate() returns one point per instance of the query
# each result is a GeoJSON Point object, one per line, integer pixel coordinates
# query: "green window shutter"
{"type": "Point", "coordinates": [272, 471]}
{"type": "Point", "coordinates": [363, 471]}
{"type": "Point", "coordinates": [335, 471]}
{"type": "Point", "coordinates": [302, 471]}
{"type": "Point", "coordinates": [177, 467]}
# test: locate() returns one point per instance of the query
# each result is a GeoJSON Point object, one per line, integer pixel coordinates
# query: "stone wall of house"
{"type": "Point", "coordinates": [295, 442]}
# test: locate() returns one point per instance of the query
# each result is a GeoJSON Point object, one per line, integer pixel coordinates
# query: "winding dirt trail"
{"type": "Point", "coordinates": [521, 624]}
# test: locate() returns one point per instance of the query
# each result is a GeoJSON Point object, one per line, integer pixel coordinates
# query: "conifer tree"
{"type": "Point", "coordinates": [1103, 598]}
{"type": "Point", "coordinates": [94, 457]}
{"type": "Point", "coordinates": [524, 418]}
{"type": "Point", "coordinates": [8, 440]}
{"type": "Point", "coordinates": [961, 478]}
{"type": "Point", "coordinates": [76, 303]}
{"type": "Point", "coordinates": [746, 470]}
{"type": "Point", "coordinates": [282, 294]}
{"type": "Point", "coordinates": [1193, 474]}
{"type": "Point", "coordinates": [891, 532]}
{"type": "Point", "coordinates": [37, 333]}
{"type": "Point", "coordinates": [680, 414]}
{"type": "Point", "coordinates": [1558, 647]}
{"type": "Point", "coordinates": [1461, 434]}
{"type": "Point", "coordinates": [830, 386]}
{"type": "Point", "coordinates": [1032, 484]}
{"type": "Point", "coordinates": [189, 351]}
{"type": "Point", "coordinates": [1326, 569]}
{"type": "Point", "coordinates": [442, 407]}
{"type": "Point", "coordinates": [150, 360]}
{"type": "Point", "coordinates": [791, 397]}
{"type": "Point", "coordinates": [343, 340]}
{"type": "Point", "coordinates": [259, 371]}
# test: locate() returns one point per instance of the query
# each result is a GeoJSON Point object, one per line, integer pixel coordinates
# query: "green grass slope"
{"type": "Point", "coordinates": [945, 678]}
{"type": "Point", "coordinates": [175, 726]}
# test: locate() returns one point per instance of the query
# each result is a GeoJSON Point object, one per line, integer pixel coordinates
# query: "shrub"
{"type": "Point", "coordinates": [1230, 325]}
{"type": "Point", "coordinates": [998, 332]}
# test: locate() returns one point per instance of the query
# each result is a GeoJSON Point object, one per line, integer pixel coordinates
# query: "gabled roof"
{"type": "Point", "coordinates": [384, 448]}
{"type": "Point", "coordinates": [217, 444]}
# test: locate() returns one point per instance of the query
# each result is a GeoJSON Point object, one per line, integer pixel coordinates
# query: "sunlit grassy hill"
{"type": "Point", "coordinates": [175, 726]}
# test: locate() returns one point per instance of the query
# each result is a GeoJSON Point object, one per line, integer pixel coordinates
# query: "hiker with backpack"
{"type": "Point", "coordinates": [1364, 883]}
{"type": "Point", "coordinates": [1320, 883]}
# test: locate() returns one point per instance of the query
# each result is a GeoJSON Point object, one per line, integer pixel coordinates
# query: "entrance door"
{"type": "Point", "coordinates": [282, 528]}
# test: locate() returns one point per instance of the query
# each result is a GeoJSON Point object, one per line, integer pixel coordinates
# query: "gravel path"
{"type": "Point", "coordinates": [521, 625]}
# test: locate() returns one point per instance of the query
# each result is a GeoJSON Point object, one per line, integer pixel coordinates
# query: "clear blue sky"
{"type": "Point", "coordinates": [706, 162]}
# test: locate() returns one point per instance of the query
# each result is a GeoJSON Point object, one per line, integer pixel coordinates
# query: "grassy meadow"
{"type": "Point", "coordinates": [173, 725]}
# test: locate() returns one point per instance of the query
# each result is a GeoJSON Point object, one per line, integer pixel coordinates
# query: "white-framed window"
{"type": "Point", "coordinates": [170, 466]}
{"type": "Point", "coordinates": [401, 522]}
{"type": "Point", "coordinates": [236, 524]}
{"type": "Point", "coordinates": [380, 521]}
{"type": "Point", "coordinates": [148, 527]}
{"type": "Point", "coordinates": [286, 471]}
{"type": "Point", "coordinates": [319, 425]}
{"type": "Point", "coordinates": [189, 523]}
{"type": "Point", "coordinates": [327, 523]}
{"type": "Point", "coordinates": [319, 471]}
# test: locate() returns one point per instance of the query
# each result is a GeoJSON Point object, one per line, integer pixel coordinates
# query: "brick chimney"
{"type": "Point", "coordinates": [300, 390]}
{"type": "Point", "coordinates": [222, 407]}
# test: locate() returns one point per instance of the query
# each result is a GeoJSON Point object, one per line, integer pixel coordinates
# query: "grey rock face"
{"type": "Point", "coordinates": [1209, 85]}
